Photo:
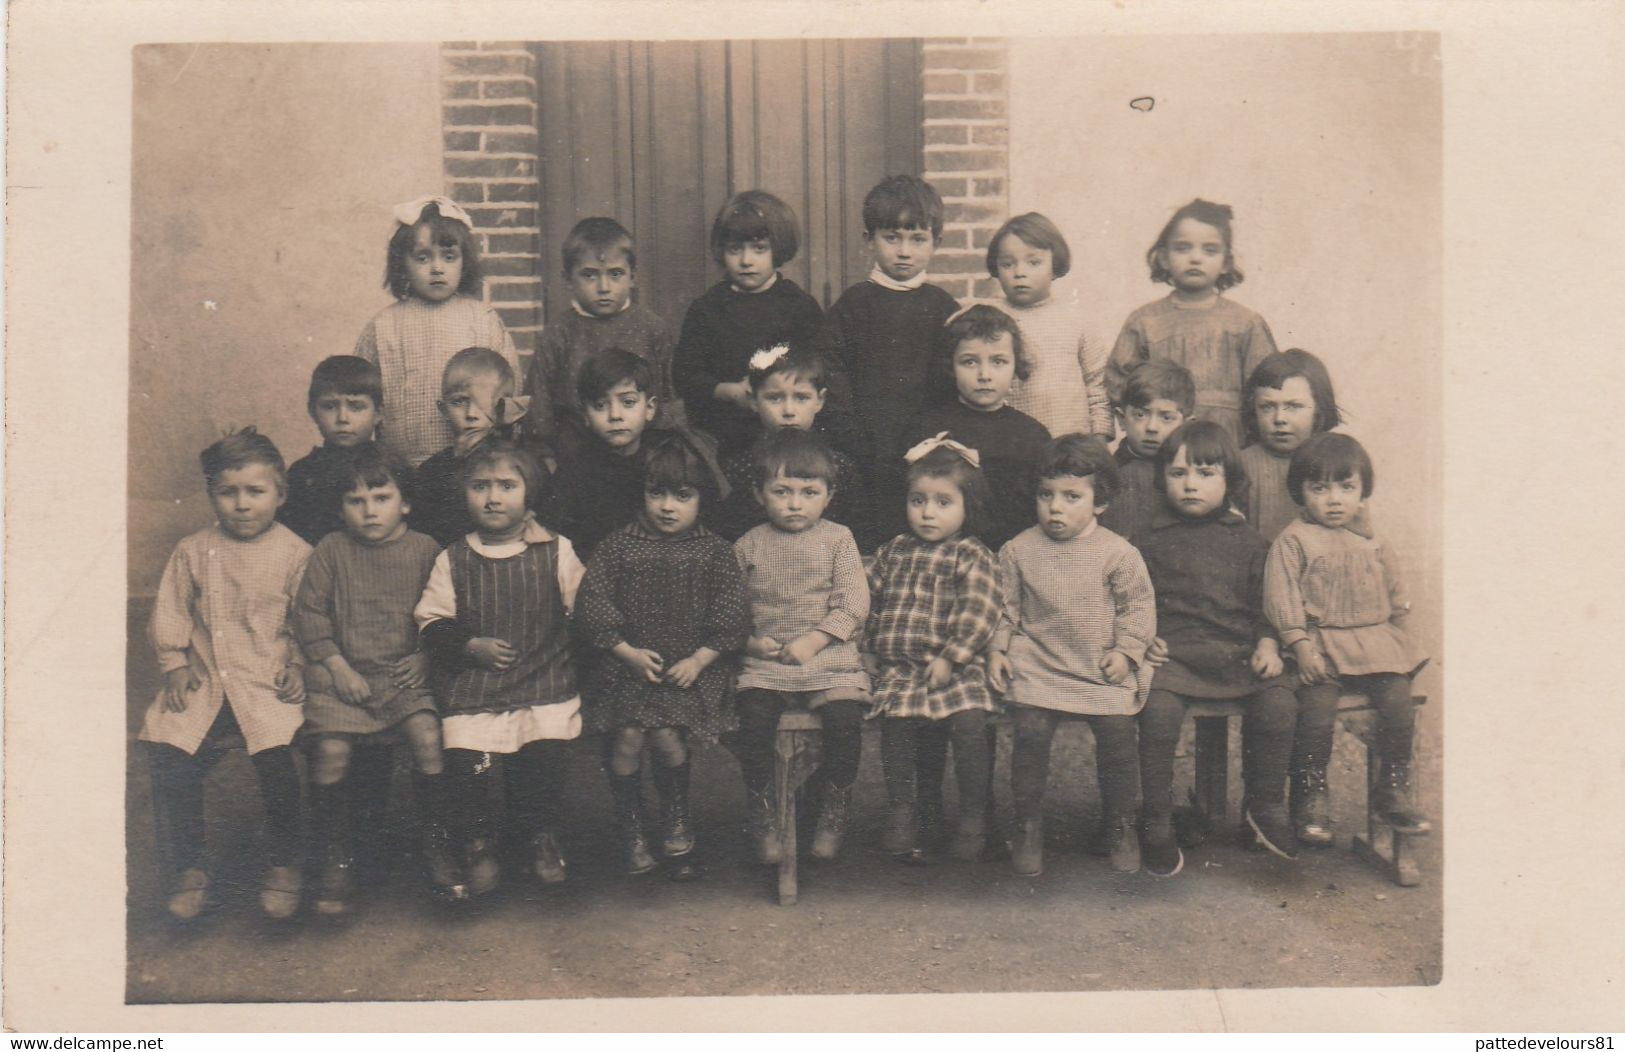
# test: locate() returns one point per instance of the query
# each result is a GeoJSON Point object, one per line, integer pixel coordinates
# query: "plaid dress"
{"type": "Point", "coordinates": [930, 600]}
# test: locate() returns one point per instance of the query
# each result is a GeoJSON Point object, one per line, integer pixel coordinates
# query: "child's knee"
{"type": "Point", "coordinates": [667, 744]}
{"type": "Point", "coordinates": [1273, 712]}
{"type": "Point", "coordinates": [423, 734]}
{"type": "Point", "coordinates": [1033, 726]}
{"type": "Point", "coordinates": [329, 760]}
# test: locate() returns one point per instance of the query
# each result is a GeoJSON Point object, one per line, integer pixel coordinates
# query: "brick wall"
{"type": "Point", "coordinates": [967, 156]}
{"type": "Point", "coordinates": [488, 93]}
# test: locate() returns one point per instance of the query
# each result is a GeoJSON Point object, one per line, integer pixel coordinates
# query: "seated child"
{"type": "Point", "coordinates": [1288, 400]}
{"type": "Point", "coordinates": [494, 618]}
{"type": "Point", "coordinates": [346, 401]}
{"type": "Point", "coordinates": [935, 602]}
{"type": "Point", "coordinates": [808, 599]}
{"type": "Point", "coordinates": [789, 389]}
{"type": "Point", "coordinates": [1079, 617]}
{"type": "Point", "coordinates": [1207, 565]}
{"type": "Point", "coordinates": [366, 678]}
{"type": "Point", "coordinates": [476, 398]}
{"type": "Point", "coordinates": [1335, 593]}
{"type": "Point", "coordinates": [881, 333]}
{"type": "Point", "coordinates": [230, 665]}
{"type": "Point", "coordinates": [664, 596]}
{"type": "Point", "coordinates": [600, 269]}
{"type": "Point", "coordinates": [1158, 397]}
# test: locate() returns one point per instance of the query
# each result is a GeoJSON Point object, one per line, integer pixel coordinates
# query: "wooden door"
{"type": "Point", "coordinates": [659, 135]}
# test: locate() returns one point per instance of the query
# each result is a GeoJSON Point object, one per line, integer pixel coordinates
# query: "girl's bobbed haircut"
{"type": "Point", "coordinates": [495, 450]}
{"type": "Point", "coordinates": [597, 236]}
{"type": "Point", "coordinates": [1329, 457]}
{"type": "Point", "coordinates": [756, 215]}
{"type": "Point", "coordinates": [372, 465]}
{"type": "Point", "coordinates": [238, 450]}
{"type": "Point", "coordinates": [1205, 443]}
{"type": "Point", "coordinates": [1038, 231]}
{"type": "Point", "coordinates": [1085, 456]}
{"type": "Point", "coordinates": [903, 202]}
{"type": "Point", "coordinates": [673, 464]}
{"type": "Point", "coordinates": [1214, 215]}
{"type": "Point", "coordinates": [1275, 370]}
{"type": "Point", "coordinates": [793, 454]}
{"type": "Point", "coordinates": [943, 463]}
{"type": "Point", "coordinates": [443, 233]}
{"type": "Point", "coordinates": [802, 362]}
{"type": "Point", "coordinates": [983, 323]}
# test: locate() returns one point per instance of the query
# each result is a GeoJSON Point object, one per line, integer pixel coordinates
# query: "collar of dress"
{"type": "Point", "coordinates": [886, 281]}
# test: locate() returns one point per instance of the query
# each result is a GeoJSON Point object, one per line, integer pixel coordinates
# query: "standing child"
{"type": "Point", "coordinates": [230, 665]}
{"type": "Point", "coordinates": [367, 678]}
{"type": "Point", "coordinates": [1216, 338]}
{"type": "Point", "coordinates": [494, 618]}
{"type": "Point", "coordinates": [1065, 386]}
{"type": "Point", "coordinates": [881, 332]}
{"type": "Point", "coordinates": [600, 268]}
{"type": "Point", "coordinates": [752, 308]}
{"type": "Point", "coordinates": [665, 598]}
{"type": "Point", "coordinates": [346, 401]}
{"type": "Point", "coordinates": [935, 603]}
{"type": "Point", "coordinates": [1207, 565]}
{"type": "Point", "coordinates": [808, 599]}
{"type": "Point", "coordinates": [477, 401]}
{"type": "Point", "coordinates": [1079, 615]}
{"type": "Point", "coordinates": [1289, 400]}
{"type": "Point", "coordinates": [789, 386]}
{"type": "Point", "coordinates": [434, 274]}
{"type": "Point", "coordinates": [1335, 594]}
{"type": "Point", "coordinates": [1157, 400]}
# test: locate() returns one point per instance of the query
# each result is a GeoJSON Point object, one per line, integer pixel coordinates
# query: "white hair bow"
{"type": "Point", "coordinates": [764, 359]}
{"type": "Point", "coordinates": [409, 213]}
{"type": "Point", "coordinates": [942, 441]}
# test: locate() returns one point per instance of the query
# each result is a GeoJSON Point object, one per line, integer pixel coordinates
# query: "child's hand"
{"type": "Point", "coordinates": [765, 647]}
{"type": "Point", "coordinates": [1311, 665]}
{"type": "Point", "coordinates": [871, 664]}
{"type": "Point", "coordinates": [803, 648]}
{"type": "Point", "coordinates": [290, 685]}
{"type": "Point", "coordinates": [410, 671]}
{"type": "Point", "coordinates": [1266, 661]}
{"type": "Point", "coordinates": [181, 682]}
{"type": "Point", "coordinates": [1156, 655]}
{"type": "Point", "coordinates": [642, 660]}
{"type": "Point", "coordinates": [683, 674]}
{"type": "Point", "coordinates": [498, 655]}
{"type": "Point", "coordinates": [1115, 667]}
{"type": "Point", "coordinates": [736, 394]}
{"type": "Point", "coordinates": [998, 671]}
{"type": "Point", "coordinates": [938, 673]}
{"type": "Point", "coordinates": [347, 682]}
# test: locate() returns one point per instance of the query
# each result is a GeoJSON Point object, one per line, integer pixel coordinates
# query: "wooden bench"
{"type": "Point", "coordinates": [1392, 852]}
{"type": "Point", "coordinates": [797, 748]}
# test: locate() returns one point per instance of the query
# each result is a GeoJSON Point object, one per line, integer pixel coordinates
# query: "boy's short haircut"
{"type": "Point", "coordinates": [604, 369]}
{"type": "Point", "coordinates": [1205, 442]}
{"type": "Point", "coordinates": [1159, 378]}
{"type": "Point", "coordinates": [238, 450]}
{"type": "Point", "coordinates": [1329, 457]}
{"type": "Point", "coordinates": [346, 374]}
{"type": "Point", "coordinates": [756, 215]}
{"type": "Point", "coordinates": [597, 236]}
{"type": "Point", "coordinates": [1038, 231]}
{"type": "Point", "coordinates": [903, 202]}
{"type": "Point", "coordinates": [1083, 456]}
{"type": "Point", "coordinates": [983, 323]}
{"type": "Point", "coordinates": [674, 464]}
{"type": "Point", "coordinates": [1274, 371]}
{"type": "Point", "coordinates": [372, 465]}
{"type": "Point", "coordinates": [943, 463]}
{"type": "Point", "coordinates": [443, 232]}
{"type": "Point", "coordinates": [800, 362]}
{"type": "Point", "coordinates": [496, 450]}
{"type": "Point", "coordinates": [793, 454]}
{"type": "Point", "coordinates": [474, 361]}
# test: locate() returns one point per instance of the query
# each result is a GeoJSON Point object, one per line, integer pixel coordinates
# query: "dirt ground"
{"type": "Point", "coordinates": [864, 924]}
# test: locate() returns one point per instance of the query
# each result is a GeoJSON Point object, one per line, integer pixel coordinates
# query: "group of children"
{"type": "Point", "coordinates": [900, 511]}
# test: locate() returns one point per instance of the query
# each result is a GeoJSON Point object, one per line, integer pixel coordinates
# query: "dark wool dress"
{"type": "Point", "coordinates": [1008, 442]}
{"type": "Point", "coordinates": [1130, 512]}
{"type": "Point", "coordinates": [672, 595]}
{"type": "Point", "coordinates": [316, 484]}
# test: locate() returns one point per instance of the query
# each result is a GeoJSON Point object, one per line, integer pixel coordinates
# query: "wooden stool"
{"type": "Point", "coordinates": [797, 748]}
{"type": "Point", "coordinates": [1384, 847]}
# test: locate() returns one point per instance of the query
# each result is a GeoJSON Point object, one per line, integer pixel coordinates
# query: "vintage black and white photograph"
{"type": "Point", "coordinates": [764, 516]}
